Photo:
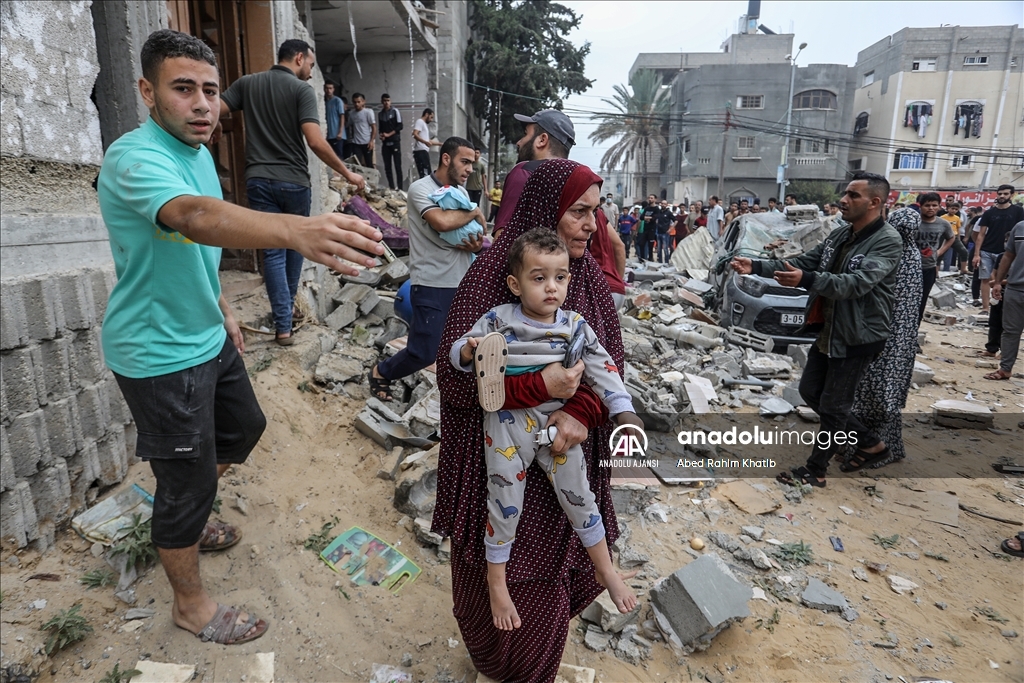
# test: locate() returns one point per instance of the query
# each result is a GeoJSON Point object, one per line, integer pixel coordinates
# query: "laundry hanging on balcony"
{"type": "Point", "coordinates": [969, 119]}
{"type": "Point", "coordinates": [918, 116]}
{"type": "Point", "coordinates": [861, 124]}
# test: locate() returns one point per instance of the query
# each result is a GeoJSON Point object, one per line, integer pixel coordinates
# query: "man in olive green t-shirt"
{"type": "Point", "coordinates": [476, 185]}
{"type": "Point", "coordinates": [281, 117]}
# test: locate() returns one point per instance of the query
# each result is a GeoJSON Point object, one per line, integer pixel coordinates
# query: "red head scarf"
{"type": "Point", "coordinates": [546, 546]}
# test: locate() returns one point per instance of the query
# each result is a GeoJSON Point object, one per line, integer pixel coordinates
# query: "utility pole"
{"type": "Point", "coordinates": [784, 163]}
{"type": "Point", "coordinates": [725, 137]}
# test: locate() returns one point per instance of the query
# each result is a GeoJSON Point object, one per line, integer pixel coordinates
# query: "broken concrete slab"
{"type": "Point", "coordinates": [817, 595]}
{"type": "Point", "coordinates": [342, 316]}
{"type": "Point", "coordinates": [922, 373]}
{"type": "Point", "coordinates": [962, 414]}
{"type": "Point", "coordinates": [775, 406]}
{"type": "Point", "coordinates": [791, 394]}
{"type": "Point", "coordinates": [762, 366]}
{"type": "Point", "coordinates": [596, 639]}
{"type": "Point", "coordinates": [630, 558]}
{"type": "Point", "coordinates": [900, 585]}
{"type": "Point", "coordinates": [700, 600]}
{"type": "Point", "coordinates": [605, 614]}
{"type": "Point", "coordinates": [755, 532]}
{"type": "Point", "coordinates": [943, 299]}
{"type": "Point", "coordinates": [337, 368]}
{"type": "Point", "coordinates": [629, 498]}
{"type": "Point", "coordinates": [421, 528]}
{"type": "Point", "coordinates": [798, 352]}
{"type": "Point", "coordinates": [163, 672]}
{"type": "Point", "coordinates": [395, 272]}
{"type": "Point", "coordinates": [570, 673]}
{"type": "Point", "coordinates": [363, 296]}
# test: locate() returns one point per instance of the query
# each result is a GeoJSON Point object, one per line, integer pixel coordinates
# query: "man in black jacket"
{"type": "Point", "coordinates": [389, 125]}
{"type": "Point", "coordinates": [850, 278]}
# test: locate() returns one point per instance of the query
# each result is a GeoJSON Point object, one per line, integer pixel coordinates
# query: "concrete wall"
{"type": "Point", "coordinates": [752, 172]}
{"type": "Point", "coordinates": [65, 430]}
{"type": "Point", "coordinates": [997, 85]}
{"type": "Point", "coordinates": [62, 419]}
{"type": "Point", "coordinates": [453, 106]}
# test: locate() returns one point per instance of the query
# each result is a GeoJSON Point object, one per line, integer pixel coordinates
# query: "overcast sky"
{"type": "Point", "coordinates": [834, 32]}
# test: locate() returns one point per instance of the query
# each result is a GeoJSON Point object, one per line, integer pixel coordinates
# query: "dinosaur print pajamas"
{"type": "Point", "coordinates": [510, 436]}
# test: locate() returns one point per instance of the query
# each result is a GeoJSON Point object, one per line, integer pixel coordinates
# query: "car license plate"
{"type": "Point", "coordinates": [792, 319]}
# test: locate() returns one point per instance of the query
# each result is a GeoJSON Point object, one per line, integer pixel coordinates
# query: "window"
{"type": "Point", "coordinates": [811, 146]}
{"type": "Point", "coordinates": [686, 105]}
{"type": "Point", "coordinates": [907, 160]}
{"type": "Point", "coordinates": [867, 79]}
{"type": "Point", "coordinates": [923, 64]}
{"type": "Point", "coordinates": [962, 160]}
{"type": "Point", "coordinates": [856, 164]}
{"type": "Point", "coordinates": [975, 60]}
{"type": "Point", "coordinates": [686, 145]}
{"type": "Point", "coordinates": [750, 102]}
{"type": "Point", "coordinates": [703, 160]}
{"type": "Point", "coordinates": [860, 126]}
{"type": "Point", "coordinates": [814, 99]}
{"type": "Point", "coordinates": [745, 147]}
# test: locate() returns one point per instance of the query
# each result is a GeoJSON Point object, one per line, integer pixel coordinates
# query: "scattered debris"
{"type": "Point", "coordinates": [901, 585]}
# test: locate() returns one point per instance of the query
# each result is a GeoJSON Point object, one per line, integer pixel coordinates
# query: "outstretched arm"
{"type": "Point", "coordinates": [316, 141]}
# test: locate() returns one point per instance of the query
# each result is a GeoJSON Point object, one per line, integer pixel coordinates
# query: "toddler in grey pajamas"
{"type": "Point", "coordinates": [510, 436]}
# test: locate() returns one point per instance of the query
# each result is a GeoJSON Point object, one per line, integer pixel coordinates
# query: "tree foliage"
{"type": "Point", "coordinates": [520, 47]}
{"type": "Point", "coordinates": [640, 122]}
{"type": "Point", "coordinates": [818, 192]}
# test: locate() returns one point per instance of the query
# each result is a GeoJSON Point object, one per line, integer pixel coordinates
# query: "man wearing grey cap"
{"type": "Point", "coordinates": [549, 135]}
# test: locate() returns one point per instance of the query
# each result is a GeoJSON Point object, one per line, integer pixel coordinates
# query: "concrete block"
{"type": "Point", "coordinates": [605, 614]}
{"type": "Point", "coordinates": [43, 310]}
{"type": "Point", "coordinates": [18, 515]}
{"type": "Point", "coordinates": [26, 437]}
{"type": "Point", "coordinates": [337, 368]}
{"type": "Point", "coordinates": [798, 352]}
{"type": "Point", "coordinates": [51, 493]}
{"type": "Point", "coordinates": [791, 393]}
{"type": "Point", "coordinates": [421, 528]}
{"type": "Point", "coordinates": [342, 316]}
{"type": "Point", "coordinates": [59, 371]}
{"type": "Point", "coordinates": [817, 595]}
{"type": "Point", "coordinates": [93, 411]}
{"type": "Point", "coordinates": [101, 282]}
{"type": "Point", "coordinates": [922, 373]}
{"type": "Point", "coordinates": [77, 301]}
{"type": "Point", "coordinates": [118, 409]}
{"type": "Point", "coordinates": [943, 299]}
{"type": "Point", "coordinates": [112, 457]}
{"type": "Point", "coordinates": [13, 324]}
{"type": "Point", "coordinates": [384, 309]}
{"type": "Point", "coordinates": [83, 470]}
{"type": "Point", "coordinates": [596, 639]}
{"type": "Point", "coordinates": [700, 600]}
{"type": "Point", "coordinates": [8, 480]}
{"type": "Point", "coordinates": [755, 532]}
{"type": "Point", "coordinates": [21, 372]}
{"type": "Point", "coordinates": [395, 272]}
{"type": "Point", "coordinates": [87, 355]}
{"type": "Point", "coordinates": [63, 430]}
{"type": "Point", "coordinates": [766, 367]}
{"type": "Point", "coordinates": [362, 295]}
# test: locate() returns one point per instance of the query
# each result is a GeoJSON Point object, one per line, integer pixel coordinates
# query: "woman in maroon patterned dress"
{"type": "Point", "coordinates": [549, 575]}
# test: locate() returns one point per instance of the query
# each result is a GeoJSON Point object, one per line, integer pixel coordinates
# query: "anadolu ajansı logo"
{"type": "Point", "coordinates": [627, 441]}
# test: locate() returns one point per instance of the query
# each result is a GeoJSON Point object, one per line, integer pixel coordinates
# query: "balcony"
{"type": "Point", "coordinates": [811, 159]}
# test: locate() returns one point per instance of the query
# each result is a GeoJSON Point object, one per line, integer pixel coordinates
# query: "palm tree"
{"type": "Point", "coordinates": [638, 123]}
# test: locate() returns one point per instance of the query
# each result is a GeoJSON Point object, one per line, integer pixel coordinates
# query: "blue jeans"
{"type": "Point", "coordinates": [664, 247]}
{"type": "Point", "coordinates": [429, 312]}
{"type": "Point", "coordinates": [627, 240]}
{"type": "Point", "coordinates": [282, 267]}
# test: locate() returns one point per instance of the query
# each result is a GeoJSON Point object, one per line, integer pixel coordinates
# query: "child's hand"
{"type": "Point", "coordinates": [466, 354]}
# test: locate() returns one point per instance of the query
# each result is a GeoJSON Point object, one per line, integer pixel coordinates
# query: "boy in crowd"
{"type": "Point", "coordinates": [934, 238]}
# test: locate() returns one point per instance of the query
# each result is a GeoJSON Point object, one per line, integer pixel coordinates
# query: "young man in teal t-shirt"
{"type": "Point", "coordinates": [168, 334]}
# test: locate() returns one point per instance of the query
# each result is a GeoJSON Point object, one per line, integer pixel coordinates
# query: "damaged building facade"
{"type": "Point", "coordinates": [69, 72]}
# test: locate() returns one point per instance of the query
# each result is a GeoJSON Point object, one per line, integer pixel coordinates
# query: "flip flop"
{"type": "Point", "coordinates": [866, 460]}
{"type": "Point", "coordinates": [1005, 546]}
{"type": "Point", "coordinates": [997, 376]}
{"type": "Point", "coordinates": [218, 536]}
{"type": "Point", "coordinates": [801, 475]}
{"type": "Point", "coordinates": [224, 629]}
{"type": "Point", "coordinates": [489, 366]}
{"type": "Point", "coordinates": [379, 387]}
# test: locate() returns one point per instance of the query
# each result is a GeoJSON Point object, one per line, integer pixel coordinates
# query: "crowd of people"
{"type": "Point", "coordinates": [499, 322]}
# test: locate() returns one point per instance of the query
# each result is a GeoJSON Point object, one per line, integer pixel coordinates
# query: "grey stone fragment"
{"type": "Point", "coordinates": [337, 368]}
{"type": "Point", "coordinates": [755, 532]}
{"type": "Point", "coordinates": [819, 596]}
{"type": "Point", "coordinates": [943, 299]}
{"type": "Point", "coordinates": [791, 394]}
{"type": "Point", "coordinates": [630, 558]}
{"type": "Point", "coordinates": [603, 612]}
{"type": "Point", "coordinates": [759, 559]}
{"type": "Point", "coordinates": [724, 541]}
{"type": "Point", "coordinates": [700, 600]}
{"type": "Point", "coordinates": [138, 613]}
{"type": "Point", "coordinates": [775, 406]}
{"type": "Point", "coordinates": [421, 527]}
{"type": "Point", "coordinates": [922, 373]}
{"type": "Point", "coordinates": [1008, 633]}
{"type": "Point", "coordinates": [628, 651]}
{"type": "Point", "coordinates": [416, 496]}
{"type": "Point", "coordinates": [342, 316]}
{"type": "Point", "coordinates": [798, 352]}
{"type": "Point", "coordinates": [849, 614]}
{"type": "Point", "coordinates": [395, 272]}
{"type": "Point", "coordinates": [596, 639]}
{"type": "Point", "coordinates": [940, 605]}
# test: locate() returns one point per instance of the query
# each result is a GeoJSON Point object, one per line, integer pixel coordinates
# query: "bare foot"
{"type": "Point", "coordinates": [621, 594]}
{"type": "Point", "coordinates": [503, 610]}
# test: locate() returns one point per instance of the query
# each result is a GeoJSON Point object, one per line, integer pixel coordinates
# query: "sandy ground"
{"type": "Point", "coordinates": [311, 465]}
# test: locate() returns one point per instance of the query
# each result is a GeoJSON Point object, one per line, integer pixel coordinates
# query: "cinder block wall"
{"type": "Point", "coordinates": [62, 419]}
{"type": "Point", "coordinates": [65, 431]}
